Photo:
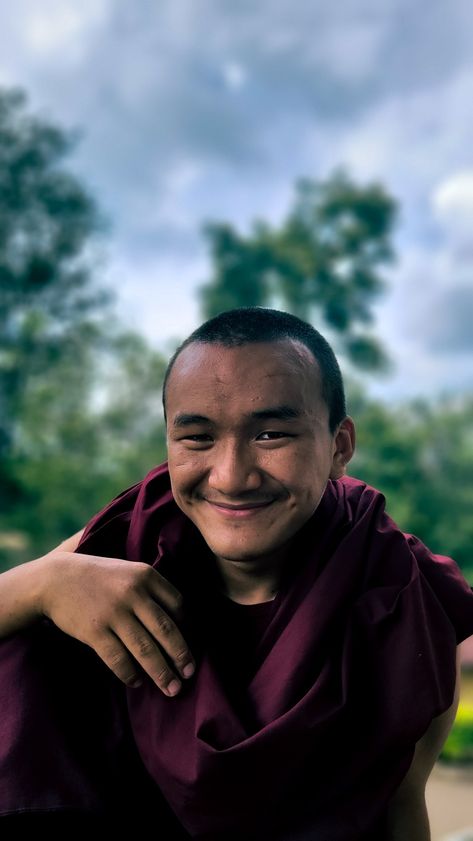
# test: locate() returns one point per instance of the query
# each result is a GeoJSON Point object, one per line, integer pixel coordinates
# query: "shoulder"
{"type": "Point", "coordinates": [355, 488]}
{"type": "Point", "coordinates": [359, 499]}
{"type": "Point", "coordinates": [107, 532]}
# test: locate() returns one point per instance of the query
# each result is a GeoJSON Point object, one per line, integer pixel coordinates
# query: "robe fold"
{"type": "Point", "coordinates": [307, 739]}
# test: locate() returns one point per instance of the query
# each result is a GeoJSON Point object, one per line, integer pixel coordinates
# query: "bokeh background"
{"type": "Point", "coordinates": [162, 161]}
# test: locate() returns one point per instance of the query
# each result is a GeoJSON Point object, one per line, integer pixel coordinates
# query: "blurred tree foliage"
{"type": "Point", "coordinates": [458, 749]}
{"type": "Point", "coordinates": [420, 455]}
{"type": "Point", "coordinates": [68, 440]}
{"type": "Point", "coordinates": [46, 223]}
{"type": "Point", "coordinates": [321, 263]}
{"type": "Point", "coordinates": [78, 447]}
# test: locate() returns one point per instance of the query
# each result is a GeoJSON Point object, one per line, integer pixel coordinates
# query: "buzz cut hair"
{"type": "Point", "coordinates": [255, 325]}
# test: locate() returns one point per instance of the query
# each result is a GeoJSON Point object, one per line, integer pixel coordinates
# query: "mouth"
{"type": "Point", "coordinates": [238, 510]}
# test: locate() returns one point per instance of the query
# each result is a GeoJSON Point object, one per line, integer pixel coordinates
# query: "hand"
{"type": "Point", "coordinates": [124, 610]}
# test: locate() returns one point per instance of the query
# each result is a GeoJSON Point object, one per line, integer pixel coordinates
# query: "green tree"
{"type": "Point", "coordinates": [321, 263]}
{"type": "Point", "coordinates": [79, 396]}
{"type": "Point", "coordinates": [421, 456]}
{"type": "Point", "coordinates": [48, 306]}
{"type": "Point", "coordinates": [77, 449]}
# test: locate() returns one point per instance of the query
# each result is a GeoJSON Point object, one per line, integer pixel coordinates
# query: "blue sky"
{"type": "Point", "coordinates": [193, 110]}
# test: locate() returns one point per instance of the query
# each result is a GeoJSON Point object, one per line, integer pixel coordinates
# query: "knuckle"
{"type": "Point", "coordinates": [132, 680]}
{"type": "Point", "coordinates": [163, 676]}
{"type": "Point", "coordinates": [121, 664]}
{"type": "Point", "coordinates": [115, 658]}
{"type": "Point", "coordinates": [128, 589]}
{"type": "Point", "coordinates": [164, 625]}
{"type": "Point", "coordinates": [182, 655]}
{"type": "Point", "coordinates": [179, 601]}
{"type": "Point", "coordinates": [144, 646]}
{"type": "Point", "coordinates": [143, 572]}
{"type": "Point", "coordinates": [136, 583]}
{"type": "Point", "coordinates": [98, 625]}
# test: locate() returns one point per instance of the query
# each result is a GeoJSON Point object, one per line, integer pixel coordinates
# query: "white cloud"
{"type": "Point", "coordinates": [42, 44]}
{"type": "Point", "coordinates": [55, 25]}
{"type": "Point", "coordinates": [351, 53]}
{"type": "Point", "coordinates": [157, 296]}
{"type": "Point", "coordinates": [172, 207]}
{"type": "Point", "coordinates": [452, 203]}
{"type": "Point", "coordinates": [454, 196]}
{"type": "Point", "coordinates": [234, 74]}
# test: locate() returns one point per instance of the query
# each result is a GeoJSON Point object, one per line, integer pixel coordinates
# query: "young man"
{"type": "Point", "coordinates": [289, 653]}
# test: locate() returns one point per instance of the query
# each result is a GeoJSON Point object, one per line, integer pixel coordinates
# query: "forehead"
{"type": "Point", "coordinates": [263, 373]}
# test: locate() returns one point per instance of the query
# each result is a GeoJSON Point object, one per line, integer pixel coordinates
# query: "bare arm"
{"type": "Point", "coordinates": [127, 612]}
{"type": "Point", "coordinates": [21, 590]}
{"type": "Point", "coordinates": [407, 816]}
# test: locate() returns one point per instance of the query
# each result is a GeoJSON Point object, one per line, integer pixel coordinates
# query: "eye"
{"type": "Point", "coordinates": [272, 435]}
{"type": "Point", "coordinates": [201, 438]}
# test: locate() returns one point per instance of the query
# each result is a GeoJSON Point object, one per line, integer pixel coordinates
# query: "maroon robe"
{"type": "Point", "coordinates": [311, 733]}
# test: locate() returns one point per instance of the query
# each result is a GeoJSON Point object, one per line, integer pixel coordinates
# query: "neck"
{"type": "Point", "coordinates": [250, 582]}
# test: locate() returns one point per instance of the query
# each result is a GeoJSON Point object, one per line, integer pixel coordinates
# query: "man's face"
{"type": "Point", "coordinates": [249, 445]}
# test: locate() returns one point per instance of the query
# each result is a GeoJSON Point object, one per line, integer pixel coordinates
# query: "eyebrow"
{"type": "Point", "coordinates": [283, 412]}
{"type": "Point", "coordinates": [189, 420]}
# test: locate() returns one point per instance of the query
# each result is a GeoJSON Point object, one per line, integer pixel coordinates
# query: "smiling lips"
{"type": "Point", "coordinates": [245, 509]}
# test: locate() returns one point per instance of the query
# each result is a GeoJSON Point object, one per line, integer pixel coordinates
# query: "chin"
{"type": "Point", "coordinates": [243, 553]}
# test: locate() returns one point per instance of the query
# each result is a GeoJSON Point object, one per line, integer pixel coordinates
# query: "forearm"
{"type": "Point", "coordinates": [22, 588]}
{"type": "Point", "coordinates": [20, 596]}
{"type": "Point", "coordinates": [408, 820]}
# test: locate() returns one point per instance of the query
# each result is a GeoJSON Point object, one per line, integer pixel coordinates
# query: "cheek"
{"type": "Point", "coordinates": [309, 476]}
{"type": "Point", "coordinates": [186, 470]}
{"type": "Point", "coordinates": [294, 467]}
{"type": "Point", "coordinates": [180, 458]}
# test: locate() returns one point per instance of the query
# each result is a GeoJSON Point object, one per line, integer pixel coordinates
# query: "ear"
{"type": "Point", "coordinates": [343, 447]}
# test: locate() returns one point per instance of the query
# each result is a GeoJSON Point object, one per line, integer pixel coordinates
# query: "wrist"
{"type": "Point", "coordinates": [48, 570]}
{"type": "Point", "coordinates": [21, 590]}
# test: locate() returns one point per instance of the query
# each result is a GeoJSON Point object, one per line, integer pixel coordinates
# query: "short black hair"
{"type": "Point", "coordinates": [247, 325]}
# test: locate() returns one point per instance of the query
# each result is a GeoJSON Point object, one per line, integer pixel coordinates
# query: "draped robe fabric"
{"type": "Point", "coordinates": [356, 659]}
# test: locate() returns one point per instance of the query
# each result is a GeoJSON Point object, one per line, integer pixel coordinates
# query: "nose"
{"type": "Point", "coordinates": [234, 471]}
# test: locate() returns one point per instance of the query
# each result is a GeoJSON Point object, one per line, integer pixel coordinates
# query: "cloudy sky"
{"type": "Point", "coordinates": [210, 109]}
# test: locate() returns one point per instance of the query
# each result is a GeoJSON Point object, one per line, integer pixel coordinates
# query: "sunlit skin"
{"type": "Point", "coordinates": [250, 453]}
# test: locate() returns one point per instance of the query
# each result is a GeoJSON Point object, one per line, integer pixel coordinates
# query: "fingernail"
{"type": "Point", "coordinates": [136, 683]}
{"type": "Point", "coordinates": [188, 670]}
{"type": "Point", "coordinates": [174, 687]}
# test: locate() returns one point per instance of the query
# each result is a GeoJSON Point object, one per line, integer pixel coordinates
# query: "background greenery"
{"type": "Point", "coordinates": [459, 745]}
{"type": "Point", "coordinates": [80, 413]}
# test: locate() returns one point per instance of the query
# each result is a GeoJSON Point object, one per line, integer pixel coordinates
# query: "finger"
{"type": "Point", "coordinates": [166, 594]}
{"type": "Point", "coordinates": [166, 633]}
{"type": "Point", "coordinates": [149, 655]}
{"type": "Point", "coordinates": [111, 650]}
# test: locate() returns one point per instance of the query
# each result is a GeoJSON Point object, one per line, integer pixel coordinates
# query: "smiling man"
{"type": "Point", "coordinates": [251, 448]}
{"type": "Point", "coordinates": [290, 654]}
